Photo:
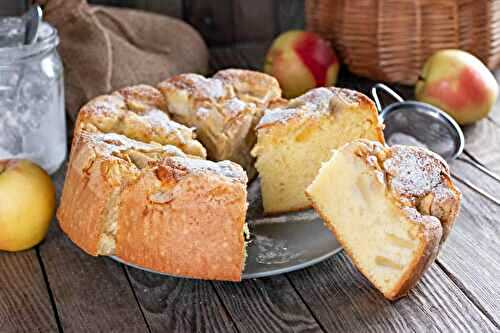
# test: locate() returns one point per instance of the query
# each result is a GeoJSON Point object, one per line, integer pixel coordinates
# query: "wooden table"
{"type": "Point", "coordinates": [56, 287]}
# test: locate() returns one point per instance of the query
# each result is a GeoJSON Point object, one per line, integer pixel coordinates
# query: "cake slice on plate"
{"type": "Point", "coordinates": [390, 208]}
{"type": "Point", "coordinates": [294, 139]}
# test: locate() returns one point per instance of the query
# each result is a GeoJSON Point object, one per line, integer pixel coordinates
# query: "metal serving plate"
{"type": "Point", "coordinates": [280, 244]}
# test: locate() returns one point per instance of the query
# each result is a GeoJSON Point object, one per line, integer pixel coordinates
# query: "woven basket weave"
{"type": "Point", "coordinates": [389, 40]}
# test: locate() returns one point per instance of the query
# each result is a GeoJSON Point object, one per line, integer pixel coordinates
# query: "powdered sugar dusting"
{"type": "Point", "coordinates": [105, 105]}
{"type": "Point", "coordinates": [315, 103]}
{"type": "Point", "coordinates": [413, 171]}
{"type": "Point", "coordinates": [200, 85]}
{"type": "Point", "coordinates": [235, 106]}
{"type": "Point", "coordinates": [429, 220]}
{"type": "Point", "coordinates": [157, 118]}
{"type": "Point", "coordinates": [224, 168]}
{"type": "Point", "coordinates": [276, 115]}
{"type": "Point", "coordinates": [203, 113]}
{"type": "Point", "coordinates": [443, 193]}
{"type": "Point", "coordinates": [112, 142]}
{"type": "Point", "coordinates": [315, 96]}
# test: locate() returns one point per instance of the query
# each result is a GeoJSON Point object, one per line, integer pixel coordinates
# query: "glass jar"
{"type": "Point", "coordinates": [32, 114]}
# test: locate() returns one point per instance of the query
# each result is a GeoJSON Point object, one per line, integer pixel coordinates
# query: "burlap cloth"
{"type": "Point", "coordinates": [106, 48]}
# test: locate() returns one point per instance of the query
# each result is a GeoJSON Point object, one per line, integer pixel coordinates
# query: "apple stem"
{"type": "Point", "coordinates": [421, 78]}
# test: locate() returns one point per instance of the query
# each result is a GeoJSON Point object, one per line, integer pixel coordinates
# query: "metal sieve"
{"type": "Point", "coordinates": [425, 125]}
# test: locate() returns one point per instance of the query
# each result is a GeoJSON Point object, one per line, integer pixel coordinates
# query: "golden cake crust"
{"type": "Point", "coordinates": [316, 103]}
{"type": "Point", "coordinates": [154, 206]}
{"type": "Point", "coordinates": [419, 183]}
{"type": "Point", "coordinates": [95, 171]}
{"type": "Point", "coordinates": [180, 209]}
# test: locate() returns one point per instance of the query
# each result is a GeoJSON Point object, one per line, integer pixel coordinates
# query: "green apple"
{"type": "Point", "coordinates": [458, 83]}
{"type": "Point", "coordinates": [27, 204]}
{"type": "Point", "coordinates": [301, 60]}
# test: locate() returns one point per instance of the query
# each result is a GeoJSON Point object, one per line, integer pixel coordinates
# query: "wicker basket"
{"type": "Point", "coordinates": [389, 40]}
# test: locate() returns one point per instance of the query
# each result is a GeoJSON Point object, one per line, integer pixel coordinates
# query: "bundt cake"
{"type": "Point", "coordinates": [294, 139]}
{"type": "Point", "coordinates": [224, 110]}
{"type": "Point", "coordinates": [390, 209]}
{"type": "Point", "coordinates": [137, 187]}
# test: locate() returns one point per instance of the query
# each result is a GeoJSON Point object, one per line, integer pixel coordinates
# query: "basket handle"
{"type": "Point", "coordinates": [387, 90]}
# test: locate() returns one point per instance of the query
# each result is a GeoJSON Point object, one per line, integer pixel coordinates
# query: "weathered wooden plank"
{"type": "Point", "coordinates": [114, 3]}
{"type": "Point", "coordinates": [165, 7]}
{"type": "Point", "coordinates": [343, 300]}
{"type": "Point", "coordinates": [253, 20]}
{"type": "Point", "coordinates": [179, 305]}
{"type": "Point", "coordinates": [245, 55]}
{"type": "Point", "coordinates": [289, 15]}
{"type": "Point", "coordinates": [12, 8]}
{"type": "Point", "coordinates": [213, 19]}
{"type": "Point", "coordinates": [91, 294]}
{"type": "Point", "coordinates": [25, 305]}
{"type": "Point", "coordinates": [266, 305]}
{"type": "Point", "coordinates": [482, 139]}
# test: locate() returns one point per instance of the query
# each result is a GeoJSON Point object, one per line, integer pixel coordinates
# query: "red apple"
{"type": "Point", "coordinates": [459, 83]}
{"type": "Point", "coordinates": [300, 61]}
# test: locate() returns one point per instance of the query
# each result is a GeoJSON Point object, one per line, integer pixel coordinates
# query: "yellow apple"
{"type": "Point", "coordinates": [301, 60]}
{"type": "Point", "coordinates": [27, 204]}
{"type": "Point", "coordinates": [459, 83]}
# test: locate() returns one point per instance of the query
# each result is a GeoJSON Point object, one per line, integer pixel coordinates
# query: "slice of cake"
{"type": "Point", "coordinates": [293, 140]}
{"type": "Point", "coordinates": [390, 209]}
{"type": "Point", "coordinates": [224, 110]}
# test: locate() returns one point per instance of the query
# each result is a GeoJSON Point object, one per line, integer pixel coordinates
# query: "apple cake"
{"type": "Point", "coordinates": [224, 110]}
{"type": "Point", "coordinates": [137, 187]}
{"type": "Point", "coordinates": [390, 209]}
{"type": "Point", "coordinates": [293, 140]}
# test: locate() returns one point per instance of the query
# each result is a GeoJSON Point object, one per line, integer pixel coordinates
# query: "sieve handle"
{"type": "Point", "coordinates": [477, 189]}
{"type": "Point", "coordinates": [387, 90]}
{"type": "Point", "coordinates": [479, 166]}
